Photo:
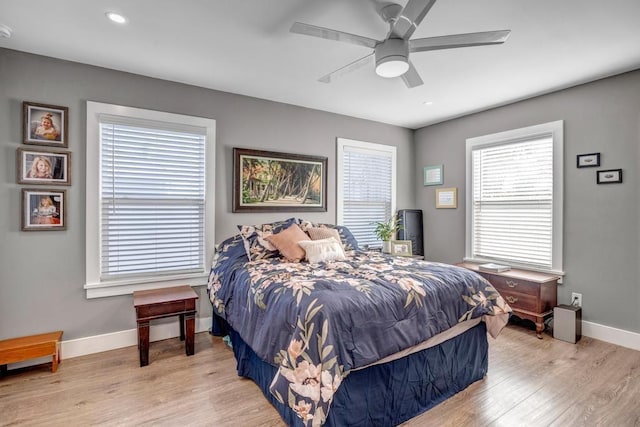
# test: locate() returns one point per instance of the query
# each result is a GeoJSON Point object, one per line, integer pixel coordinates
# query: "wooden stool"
{"type": "Point", "coordinates": [24, 348]}
{"type": "Point", "coordinates": [158, 303]}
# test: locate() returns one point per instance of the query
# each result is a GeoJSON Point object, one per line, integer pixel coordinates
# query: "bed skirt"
{"type": "Point", "coordinates": [390, 393]}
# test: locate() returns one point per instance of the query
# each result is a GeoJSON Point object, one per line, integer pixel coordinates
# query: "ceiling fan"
{"type": "Point", "coordinates": [391, 55]}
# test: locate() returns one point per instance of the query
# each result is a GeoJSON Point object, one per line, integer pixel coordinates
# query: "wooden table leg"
{"type": "Point", "coordinates": [182, 327]}
{"type": "Point", "coordinates": [3, 370]}
{"type": "Point", "coordinates": [539, 327]}
{"type": "Point", "coordinates": [190, 335]}
{"type": "Point", "coordinates": [143, 343]}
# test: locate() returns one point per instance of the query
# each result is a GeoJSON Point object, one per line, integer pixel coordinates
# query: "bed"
{"type": "Point", "coordinates": [366, 340]}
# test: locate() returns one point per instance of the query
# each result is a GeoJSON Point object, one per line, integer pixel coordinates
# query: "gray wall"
{"type": "Point", "coordinates": [601, 222]}
{"type": "Point", "coordinates": [42, 273]}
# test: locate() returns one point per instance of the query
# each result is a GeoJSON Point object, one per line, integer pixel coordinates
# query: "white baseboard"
{"type": "Point", "coordinates": [115, 340]}
{"type": "Point", "coordinates": [120, 339]}
{"type": "Point", "coordinates": [611, 335]}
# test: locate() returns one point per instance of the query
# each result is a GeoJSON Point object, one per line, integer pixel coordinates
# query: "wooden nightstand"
{"type": "Point", "coordinates": [158, 303]}
{"type": "Point", "coordinates": [530, 294]}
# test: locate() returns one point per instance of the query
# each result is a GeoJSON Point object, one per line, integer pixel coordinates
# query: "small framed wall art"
{"type": "Point", "coordinates": [44, 209]}
{"type": "Point", "coordinates": [446, 198]}
{"type": "Point", "coordinates": [434, 175]}
{"type": "Point", "coordinates": [401, 247]}
{"type": "Point", "coordinates": [588, 160]}
{"type": "Point", "coordinates": [43, 167]}
{"type": "Point", "coordinates": [611, 176]}
{"type": "Point", "coordinates": [44, 124]}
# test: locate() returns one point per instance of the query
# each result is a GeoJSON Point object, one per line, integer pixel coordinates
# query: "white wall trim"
{"type": "Point", "coordinates": [96, 286]}
{"type": "Point", "coordinates": [345, 143]}
{"type": "Point", "coordinates": [611, 335]}
{"type": "Point", "coordinates": [114, 340]}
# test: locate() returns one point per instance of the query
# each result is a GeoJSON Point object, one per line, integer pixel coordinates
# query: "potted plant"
{"type": "Point", "coordinates": [386, 231]}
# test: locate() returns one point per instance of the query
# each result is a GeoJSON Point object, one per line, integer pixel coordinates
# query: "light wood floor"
{"type": "Point", "coordinates": [530, 382]}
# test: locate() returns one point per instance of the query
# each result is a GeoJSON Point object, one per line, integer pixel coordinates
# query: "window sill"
{"type": "Point", "coordinates": [519, 267]}
{"type": "Point", "coordinates": [126, 287]}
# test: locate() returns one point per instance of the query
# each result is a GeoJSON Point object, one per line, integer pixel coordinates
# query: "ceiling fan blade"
{"type": "Point", "coordinates": [359, 63]}
{"type": "Point", "coordinates": [410, 17]}
{"type": "Point", "coordinates": [329, 34]}
{"type": "Point", "coordinates": [411, 78]}
{"type": "Point", "coordinates": [459, 40]}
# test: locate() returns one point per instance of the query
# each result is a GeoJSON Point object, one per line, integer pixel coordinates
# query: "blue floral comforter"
{"type": "Point", "coordinates": [317, 322]}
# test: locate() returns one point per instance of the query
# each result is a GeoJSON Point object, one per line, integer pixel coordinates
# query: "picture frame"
{"type": "Point", "coordinates": [44, 209]}
{"type": "Point", "coordinates": [44, 124]}
{"type": "Point", "coordinates": [43, 167]}
{"type": "Point", "coordinates": [610, 176]}
{"type": "Point", "coordinates": [433, 175]}
{"type": "Point", "coordinates": [590, 160]}
{"type": "Point", "coordinates": [447, 198]}
{"type": "Point", "coordinates": [401, 248]}
{"type": "Point", "coordinates": [269, 181]}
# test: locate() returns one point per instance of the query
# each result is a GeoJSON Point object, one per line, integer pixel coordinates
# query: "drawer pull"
{"type": "Point", "coordinates": [512, 300]}
{"type": "Point", "coordinates": [512, 284]}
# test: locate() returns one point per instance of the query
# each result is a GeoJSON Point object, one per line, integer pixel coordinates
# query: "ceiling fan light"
{"type": "Point", "coordinates": [392, 66]}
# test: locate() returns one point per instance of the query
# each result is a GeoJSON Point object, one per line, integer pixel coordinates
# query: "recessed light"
{"type": "Point", "coordinates": [116, 17]}
{"type": "Point", "coordinates": [427, 103]}
{"type": "Point", "coordinates": [5, 32]}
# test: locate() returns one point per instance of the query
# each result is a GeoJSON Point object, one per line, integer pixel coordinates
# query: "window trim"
{"type": "Point", "coordinates": [95, 288]}
{"type": "Point", "coordinates": [369, 146]}
{"type": "Point", "coordinates": [555, 129]}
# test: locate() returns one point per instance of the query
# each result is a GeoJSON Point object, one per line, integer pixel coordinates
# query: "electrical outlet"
{"type": "Point", "coordinates": [576, 299]}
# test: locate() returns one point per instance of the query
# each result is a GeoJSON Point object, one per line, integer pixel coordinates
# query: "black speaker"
{"type": "Point", "coordinates": [411, 221]}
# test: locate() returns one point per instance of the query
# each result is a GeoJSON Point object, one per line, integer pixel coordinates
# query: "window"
{"type": "Point", "coordinates": [149, 199]}
{"type": "Point", "coordinates": [514, 198]}
{"type": "Point", "coordinates": [366, 187]}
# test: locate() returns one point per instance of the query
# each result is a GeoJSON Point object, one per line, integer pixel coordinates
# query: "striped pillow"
{"type": "Point", "coordinates": [318, 233]}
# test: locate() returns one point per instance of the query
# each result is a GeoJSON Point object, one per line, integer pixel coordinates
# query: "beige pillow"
{"type": "Point", "coordinates": [286, 242]}
{"type": "Point", "coordinates": [323, 250]}
{"type": "Point", "coordinates": [317, 233]}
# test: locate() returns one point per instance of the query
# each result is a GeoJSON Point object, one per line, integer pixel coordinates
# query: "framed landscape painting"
{"type": "Point", "coordinates": [267, 181]}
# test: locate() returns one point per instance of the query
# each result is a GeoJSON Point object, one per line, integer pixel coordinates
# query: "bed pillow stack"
{"type": "Point", "coordinates": [311, 241]}
{"type": "Point", "coordinates": [294, 244]}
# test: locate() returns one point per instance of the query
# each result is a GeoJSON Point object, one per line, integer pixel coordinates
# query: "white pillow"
{"type": "Point", "coordinates": [323, 250]}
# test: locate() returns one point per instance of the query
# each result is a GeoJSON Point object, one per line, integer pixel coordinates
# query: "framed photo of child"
{"type": "Point", "coordinates": [44, 209]}
{"type": "Point", "coordinates": [43, 167]}
{"type": "Point", "coordinates": [45, 124]}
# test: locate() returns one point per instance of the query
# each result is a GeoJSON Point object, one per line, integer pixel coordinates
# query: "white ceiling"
{"type": "Point", "coordinates": [244, 47]}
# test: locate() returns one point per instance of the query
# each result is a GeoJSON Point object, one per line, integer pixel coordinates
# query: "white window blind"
{"type": "Point", "coordinates": [513, 202]}
{"type": "Point", "coordinates": [152, 198]}
{"type": "Point", "coordinates": [514, 198]}
{"type": "Point", "coordinates": [367, 184]}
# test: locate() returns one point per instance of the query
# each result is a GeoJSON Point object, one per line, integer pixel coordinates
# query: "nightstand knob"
{"type": "Point", "coordinates": [512, 300]}
{"type": "Point", "coordinates": [512, 284]}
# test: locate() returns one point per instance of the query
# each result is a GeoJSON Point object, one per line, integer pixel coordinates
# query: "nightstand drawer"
{"type": "Point", "coordinates": [520, 301]}
{"type": "Point", "coordinates": [508, 284]}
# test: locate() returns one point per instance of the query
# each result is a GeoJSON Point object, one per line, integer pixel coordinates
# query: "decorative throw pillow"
{"type": "Point", "coordinates": [348, 240]}
{"type": "Point", "coordinates": [323, 250]}
{"type": "Point", "coordinates": [319, 233]}
{"type": "Point", "coordinates": [286, 242]}
{"type": "Point", "coordinates": [255, 242]}
{"type": "Point", "coordinates": [231, 248]}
